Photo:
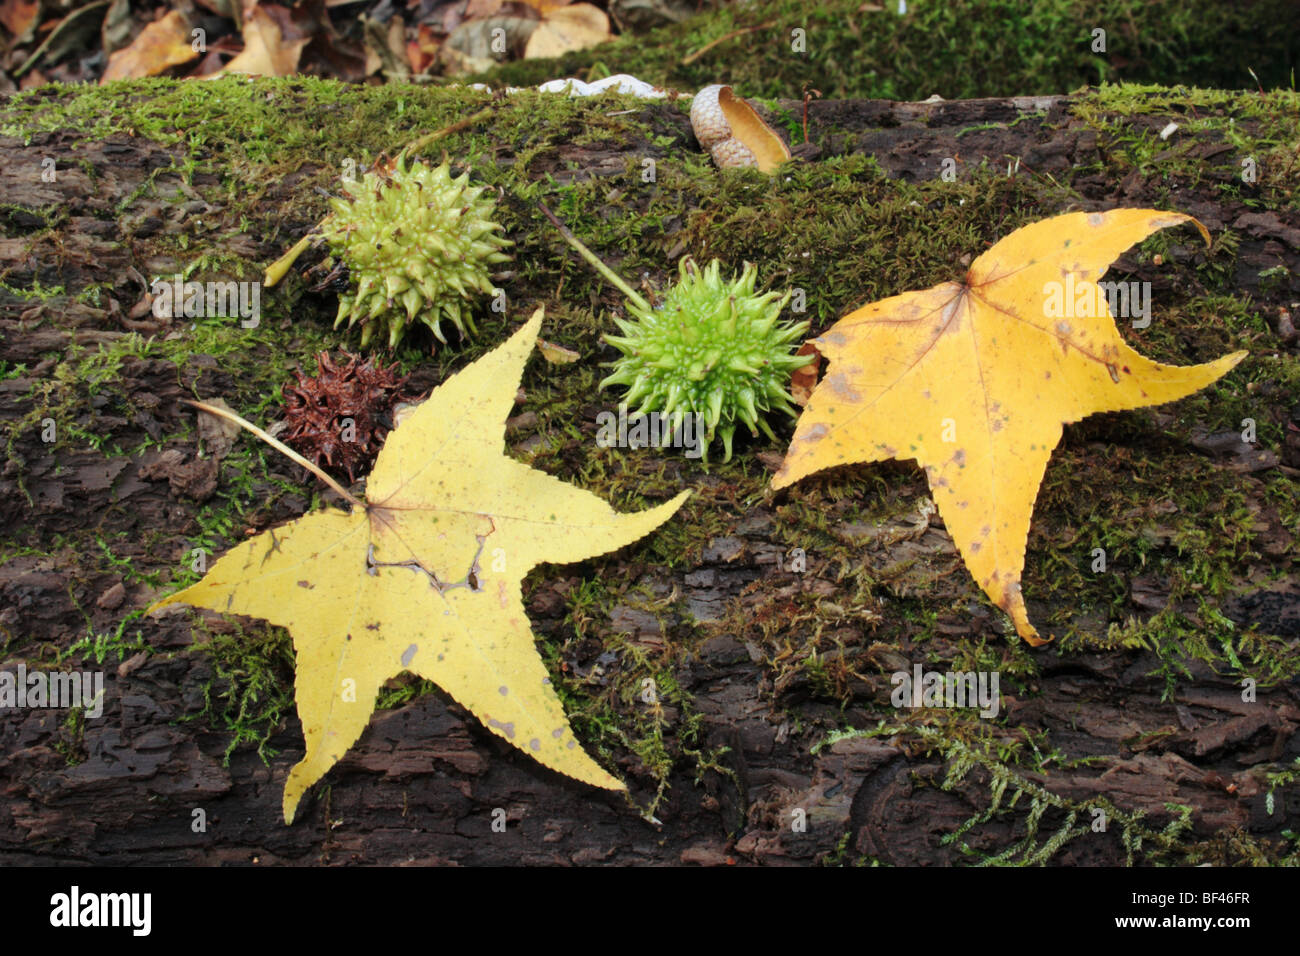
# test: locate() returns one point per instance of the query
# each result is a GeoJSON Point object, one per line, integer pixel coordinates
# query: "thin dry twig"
{"type": "Point", "coordinates": [278, 446]}
{"type": "Point", "coordinates": [807, 95]}
{"type": "Point", "coordinates": [413, 147]}
{"type": "Point", "coordinates": [692, 57]}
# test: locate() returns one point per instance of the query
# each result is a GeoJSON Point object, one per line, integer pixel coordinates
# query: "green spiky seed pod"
{"type": "Point", "coordinates": [417, 244]}
{"type": "Point", "coordinates": [713, 349]}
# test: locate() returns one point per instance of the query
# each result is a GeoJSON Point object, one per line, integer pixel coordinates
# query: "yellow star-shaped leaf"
{"type": "Point", "coordinates": [974, 379]}
{"type": "Point", "coordinates": [426, 577]}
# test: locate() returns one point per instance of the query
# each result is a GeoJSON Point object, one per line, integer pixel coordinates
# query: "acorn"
{"type": "Point", "coordinates": [417, 244]}
{"type": "Point", "coordinates": [733, 133]}
{"type": "Point", "coordinates": [712, 348]}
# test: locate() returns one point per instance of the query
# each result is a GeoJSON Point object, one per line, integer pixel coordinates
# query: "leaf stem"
{"type": "Point", "coordinates": [277, 445]}
{"type": "Point", "coordinates": [610, 275]}
{"type": "Point", "coordinates": [276, 270]}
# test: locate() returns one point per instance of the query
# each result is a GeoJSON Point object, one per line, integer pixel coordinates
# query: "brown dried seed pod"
{"type": "Point", "coordinates": [733, 133]}
{"type": "Point", "coordinates": [340, 417]}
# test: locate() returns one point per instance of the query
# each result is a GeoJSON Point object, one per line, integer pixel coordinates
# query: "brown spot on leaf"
{"type": "Point", "coordinates": [816, 433]}
{"type": "Point", "coordinates": [839, 383]}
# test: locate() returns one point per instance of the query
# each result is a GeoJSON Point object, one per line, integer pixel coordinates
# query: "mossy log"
{"type": "Point", "coordinates": [1166, 708]}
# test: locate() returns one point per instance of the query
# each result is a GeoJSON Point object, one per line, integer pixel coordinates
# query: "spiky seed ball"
{"type": "Point", "coordinates": [417, 244]}
{"type": "Point", "coordinates": [339, 417]}
{"type": "Point", "coordinates": [712, 348]}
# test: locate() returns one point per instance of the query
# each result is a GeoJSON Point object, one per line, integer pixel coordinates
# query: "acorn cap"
{"type": "Point", "coordinates": [729, 128]}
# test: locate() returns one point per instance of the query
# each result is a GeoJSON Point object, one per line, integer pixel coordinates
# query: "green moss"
{"type": "Point", "coordinates": [1263, 131]}
{"type": "Point", "coordinates": [122, 642]}
{"type": "Point", "coordinates": [844, 233]}
{"type": "Point", "coordinates": [1020, 805]}
{"type": "Point", "coordinates": [250, 692]}
{"type": "Point", "coordinates": [628, 699]}
{"type": "Point", "coordinates": [71, 742]}
{"type": "Point", "coordinates": [988, 48]}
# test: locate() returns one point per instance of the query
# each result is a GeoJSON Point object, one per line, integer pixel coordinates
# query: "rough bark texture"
{"type": "Point", "coordinates": [423, 783]}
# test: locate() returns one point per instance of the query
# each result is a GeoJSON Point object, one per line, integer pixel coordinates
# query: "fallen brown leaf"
{"type": "Point", "coordinates": [804, 380]}
{"type": "Point", "coordinates": [566, 29]}
{"type": "Point", "coordinates": [423, 50]}
{"type": "Point", "coordinates": [544, 7]}
{"type": "Point", "coordinates": [162, 44]}
{"type": "Point", "coordinates": [19, 15]}
{"type": "Point", "coordinates": [266, 52]}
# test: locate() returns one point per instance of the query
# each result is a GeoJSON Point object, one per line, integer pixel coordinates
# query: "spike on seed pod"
{"type": "Point", "coordinates": [712, 349]}
{"type": "Point", "coordinates": [411, 229]}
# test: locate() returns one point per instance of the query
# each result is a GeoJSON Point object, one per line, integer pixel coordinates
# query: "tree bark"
{"type": "Point", "coordinates": [146, 782]}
